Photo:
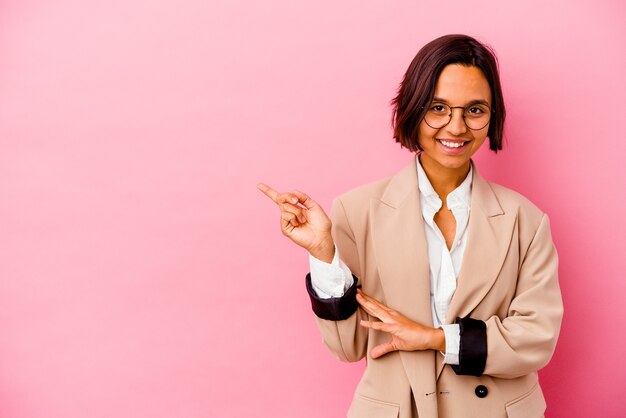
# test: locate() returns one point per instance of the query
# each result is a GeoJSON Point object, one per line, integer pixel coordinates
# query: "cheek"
{"type": "Point", "coordinates": [480, 139]}
{"type": "Point", "coordinates": [426, 133]}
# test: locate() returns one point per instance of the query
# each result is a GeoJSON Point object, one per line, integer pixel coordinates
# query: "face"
{"type": "Point", "coordinates": [457, 85]}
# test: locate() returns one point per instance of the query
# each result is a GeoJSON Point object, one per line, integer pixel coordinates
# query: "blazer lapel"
{"type": "Point", "coordinates": [489, 234]}
{"type": "Point", "coordinates": [402, 260]}
{"type": "Point", "coordinates": [490, 231]}
{"type": "Point", "coordinates": [401, 249]}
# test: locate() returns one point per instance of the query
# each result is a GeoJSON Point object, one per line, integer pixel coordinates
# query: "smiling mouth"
{"type": "Point", "coordinates": [452, 144]}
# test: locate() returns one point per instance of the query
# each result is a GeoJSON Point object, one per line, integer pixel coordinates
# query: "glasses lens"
{"type": "Point", "coordinates": [438, 115]}
{"type": "Point", "coordinates": [477, 116]}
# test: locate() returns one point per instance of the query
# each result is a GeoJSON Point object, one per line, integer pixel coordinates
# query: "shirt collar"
{"type": "Point", "coordinates": [459, 197]}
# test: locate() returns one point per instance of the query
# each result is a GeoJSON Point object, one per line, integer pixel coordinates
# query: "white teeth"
{"type": "Point", "coordinates": [452, 144]}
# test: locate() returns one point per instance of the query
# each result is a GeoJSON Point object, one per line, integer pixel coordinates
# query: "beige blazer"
{"type": "Point", "coordinates": [508, 279]}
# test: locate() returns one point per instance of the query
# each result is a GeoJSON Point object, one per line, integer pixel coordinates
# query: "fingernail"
{"type": "Point", "coordinates": [294, 200]}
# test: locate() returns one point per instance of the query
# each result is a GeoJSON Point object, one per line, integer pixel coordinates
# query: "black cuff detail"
{"type": "Point", "coordinates": [473, 347]}
{"type": "Point", "coordinates": [334, 309]}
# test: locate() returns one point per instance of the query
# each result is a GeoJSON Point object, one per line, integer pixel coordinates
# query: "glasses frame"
{"type": "Point", "coordinates": [491, 113]}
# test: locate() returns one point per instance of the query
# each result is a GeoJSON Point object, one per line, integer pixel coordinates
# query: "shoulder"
{"type": "Point", "coordinates": [528, 214]}
{"type": "Point", "coordinates": [363, 193]}
{"type": "Point", "coordinates": [354, 204]}
{"type": "Point", "coordinates": [391, 189]}
{"type": "Point", "coordinates": [510, 199]}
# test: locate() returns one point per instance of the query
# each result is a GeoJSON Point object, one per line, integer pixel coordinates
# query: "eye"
{"type": "Point", "coordinates": [474, 110]}
{"type": "Point", "coordinates": [438, 108]}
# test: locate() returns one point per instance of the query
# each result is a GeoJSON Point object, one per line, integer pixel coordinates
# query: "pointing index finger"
{"type": "Point", "coordinates": [268, 191]}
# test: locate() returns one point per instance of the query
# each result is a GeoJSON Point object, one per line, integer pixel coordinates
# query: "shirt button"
{"type": "Point", "coordinates": [481, 391]}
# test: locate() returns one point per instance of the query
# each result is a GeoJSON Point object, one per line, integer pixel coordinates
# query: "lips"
{"type": "Point", "coordinates": [452, 143]}
{"type": "Point", "coordinates": [452, 146]}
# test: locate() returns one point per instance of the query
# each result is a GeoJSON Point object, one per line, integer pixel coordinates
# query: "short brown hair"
{"type": "Point", "coordinates": [418, 86]}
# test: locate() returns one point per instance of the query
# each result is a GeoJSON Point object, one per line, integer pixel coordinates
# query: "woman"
{"type": "Point", "coordinates": [445, 282]}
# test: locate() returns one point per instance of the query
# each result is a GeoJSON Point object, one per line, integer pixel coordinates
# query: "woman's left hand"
{"type": "Point", "coordinates": [406, 335]}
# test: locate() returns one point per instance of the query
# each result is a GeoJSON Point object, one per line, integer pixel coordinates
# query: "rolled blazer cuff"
{"type": "Point", "coordinates": [473, 347]}
{"type": "Point", "coordinates": [334, 309]}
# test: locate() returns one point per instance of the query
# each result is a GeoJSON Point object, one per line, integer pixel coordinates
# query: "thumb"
{"type": "Point", "coordinates": [305, 200]}
{"type": "Point", "coordinates": [382, 349]}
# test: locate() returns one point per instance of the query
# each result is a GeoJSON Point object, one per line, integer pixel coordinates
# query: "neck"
{"type": "Point", "coordinates": [443, 179]}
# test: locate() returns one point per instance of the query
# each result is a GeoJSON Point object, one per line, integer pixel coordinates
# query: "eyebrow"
{"type": "Point", "coordinates": [481, 101]}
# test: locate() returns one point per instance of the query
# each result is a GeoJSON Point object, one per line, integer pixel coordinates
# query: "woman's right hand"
{"type": "Point", "coordinates": [303, 221]}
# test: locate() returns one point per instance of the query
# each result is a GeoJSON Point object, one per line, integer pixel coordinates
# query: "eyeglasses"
{"type": "Point", "coordinates": [476, 116]}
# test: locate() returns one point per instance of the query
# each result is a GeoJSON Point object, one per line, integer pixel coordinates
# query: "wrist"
{"type": "Point", "coordinates": [438, 341]}
{"type": "Point", "coordinates": [324, 252]}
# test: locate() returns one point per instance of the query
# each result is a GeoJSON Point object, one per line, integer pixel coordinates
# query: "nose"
{"type": "Point", "coordinates": [457, 125]}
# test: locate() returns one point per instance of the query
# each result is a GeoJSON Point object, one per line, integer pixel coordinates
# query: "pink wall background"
{"type": "Point", "coordinates": [143, 275]}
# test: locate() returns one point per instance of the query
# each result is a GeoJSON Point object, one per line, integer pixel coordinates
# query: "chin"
{"type": "Point", "coordinates": [454, 162]}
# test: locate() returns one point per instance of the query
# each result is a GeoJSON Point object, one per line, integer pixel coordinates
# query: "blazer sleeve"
{"type": "Point", "coordinates": [525, 340]}
{"type": "Point", "coordinates": [338, 318]}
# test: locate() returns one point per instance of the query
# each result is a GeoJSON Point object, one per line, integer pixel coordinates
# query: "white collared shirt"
{"type": "Point", "coordinates": [332, 280]}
